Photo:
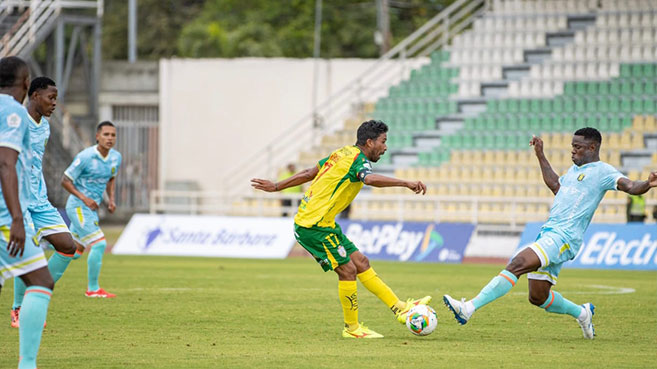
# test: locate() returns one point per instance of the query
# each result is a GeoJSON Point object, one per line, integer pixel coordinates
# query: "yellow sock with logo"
{"type": "Point", "coordinates": [349, 301]}
{"type": "Point", "coordinates": [374, 284]}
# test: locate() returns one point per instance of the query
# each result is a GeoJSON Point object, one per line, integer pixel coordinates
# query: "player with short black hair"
{"type": "Point", "coordinates": [336, 180]}
{"type": "Point", "coordinates": [92, 172]}
{"type": "Point", "coordinates": [49, 226]}
{"type": "Point", "coordinates": [578, 194]}
{"type": "Point", "coordinates": [19, 255]}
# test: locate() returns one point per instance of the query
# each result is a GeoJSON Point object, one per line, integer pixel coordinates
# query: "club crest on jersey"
{"type": "Point", "coordinates": [13, 120]}
{"type": "Point", "coordinates": [113, 170]}
{"type": "Point", "coordinates": [342, 252]}
{"type": "Point", "coordinates": [581, 177]}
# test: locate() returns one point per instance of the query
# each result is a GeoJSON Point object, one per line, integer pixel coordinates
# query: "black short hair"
{"type": "Point", "coordinates": [103, 124]}
{"type": "Point", "coordinates": [40, 83]}
{"type": "Point", "coordinates": [590, 134]}
{"type": "Point", "coordinates": [370, 130]}
{"type": "Point", "coordinates": [10, 68]}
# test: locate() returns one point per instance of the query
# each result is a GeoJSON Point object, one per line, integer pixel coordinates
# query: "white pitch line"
{"type": "Point", "coordinates": [605, 290]}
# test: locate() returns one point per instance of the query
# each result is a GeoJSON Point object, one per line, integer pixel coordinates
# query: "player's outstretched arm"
{"type": "Point", "coordinates": [302, 177]}
{"type": "Point", "coordinates": [638, 187]}
{"type": "Point", "coordinates": [550, 178]}
{"type": "Point", "coordinates": [377, 180]}
{"type": "Point", "coordinates": [9, 183]}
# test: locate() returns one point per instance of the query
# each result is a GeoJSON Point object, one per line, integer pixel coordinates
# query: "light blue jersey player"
{"type": "Point", "coordinates": [19, 255]}
{"type": "Point", "coordinates": [92, 172]}
{"type": "Point", "coordinates": [578, 193]}
{"type": "Point", "coordinates": [48, 223]}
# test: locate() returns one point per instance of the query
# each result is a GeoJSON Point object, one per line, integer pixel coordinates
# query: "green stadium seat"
{"type": "Point", "coordinates": [592, 88]}
{"type": "Point", "coordinates": [626, 88]}
{"type": "Point", "coordinates": [614, 88]}
{"type": "Point", "coordinates": [557, 123]}
{"type": "Point", "coordinates": [649, 106]}
{"type": "Point", "coordinates": [568, 123]}
{"type": "Point", "coordinates": [637, 71]}
{"type": "Point", "coordinates": [547, 106]}
{"type": "Point", "coordinates": [524, 106]}
{"type": "Point", "coordinates": [603, 123]}
{"type": "Point", "coordinates": [569, 88]}
{"type": "Point", "coordinates": [580, 105]}
{"type": "Point", "coordinates": [625, 71]}
{"type": "Point", "coordinates": [649, 71]}
{"type": "Point", "coordinates": [535, 106]}
{"type": "Point", "coordinates": [650, 87]}
{"type": "Point", "coordinates": [637, 88]}
{"type": "Point", "coordinates": [569, 105]}
{"type": "Point", "coordinates": [614, 124]}
{"type": "Point", "coordinates": [580, 88]}
{"type": "Point", "coordinates": [603, 88]}
{"type": "Point", "coordinates": [513, 106]}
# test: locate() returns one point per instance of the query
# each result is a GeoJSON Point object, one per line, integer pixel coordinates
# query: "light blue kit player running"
{"type": "Point", "coordinates": [578, 193]}
{"type": "Point", "coordinates": [48, 224]}
{"type": "Point", "coordinates": [19, 254]}
{"type": "Point", "coordinates": [92, 172]}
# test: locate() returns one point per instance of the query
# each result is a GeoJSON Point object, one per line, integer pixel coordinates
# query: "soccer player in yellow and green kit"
{"type": "Point", "coordinates": [336, 180]}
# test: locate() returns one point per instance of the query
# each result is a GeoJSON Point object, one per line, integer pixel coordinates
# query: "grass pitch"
{"type": "Point", "coordinates": [228, 313]}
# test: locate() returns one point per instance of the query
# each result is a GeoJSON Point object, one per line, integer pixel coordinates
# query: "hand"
{"type": "Point", "coordinates": [111, 207]}
{"type": "Point", "coordinates": [16, 243]}
{"type": "Point", "coordinates": [90, 203]}
{"type": "Point", "coordinates": [652, 179]}
{"type": "Point", "coordinates": [417, 187]}
{"type": "Point", "coordinates": [537, 143]}
{"type": "Point", "coordinates": [263, 184]}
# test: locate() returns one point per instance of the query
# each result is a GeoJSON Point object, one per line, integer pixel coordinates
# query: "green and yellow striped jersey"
{"type": "Point", "coordinates": [337, 183]}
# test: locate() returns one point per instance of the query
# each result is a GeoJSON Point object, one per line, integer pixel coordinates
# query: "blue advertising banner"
{"type": "Point", "coordinates": [610, 246]}
{"type": "Point", "coordinates": [409, 241]}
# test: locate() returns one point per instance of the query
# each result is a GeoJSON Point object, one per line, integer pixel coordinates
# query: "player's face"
{"type": "Point", "coordinates": [379, 147]}
{"type": "Point", "coordinates": [582, 150]}
{"type": "Point", "coordinates": [46, 100]}
{"type": "Point", "coordinates": [106, 137]}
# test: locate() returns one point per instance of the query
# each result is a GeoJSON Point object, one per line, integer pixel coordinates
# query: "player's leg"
{"type": "Point", "coordinates": [86, 231]}
{"type": "Point", "coordinates": [371, 280]}
{"type": "Point", "coordinates": [32, 268]}
{"type": "Point", "coordinates": [33, 314]}
{"type": "Point", "coordinates": [525, 261]}
{"type": "Point", "coordinates": [323, 245]}
{"type": "Point", "coordinates": [542, 295]}
{"type": "Point", "coordinates": [64, 253]}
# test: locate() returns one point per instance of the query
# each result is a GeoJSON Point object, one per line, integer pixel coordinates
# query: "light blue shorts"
{"type": "Point", "coordinates": [84, 226]}
{"type": "Point", "coordinates": [47, 220]}
{"type": "Point", "coordinates": [33, 257]}
{"type": "Point", "coordinates": [553, 252]}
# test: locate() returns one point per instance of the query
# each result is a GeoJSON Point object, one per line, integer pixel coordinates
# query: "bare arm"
{"type": "Point", "coordinates": [9, 183]}
{"type": "Point", "coordinates": [70, 187]}
{"type": "Point", "coordinates": [550, 178]}
{"type": "Point", "coordinates": [302, 177]}
{"type": "Point", "coordinates": [638, 187]}
{"type": "Point", "coordinates": [111, 185]}
{"type": "Point", "coordinates": [377, 180]}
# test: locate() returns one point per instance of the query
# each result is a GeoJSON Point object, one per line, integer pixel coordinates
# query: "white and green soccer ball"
{"type": "Point", "coordinates": [421, 320]}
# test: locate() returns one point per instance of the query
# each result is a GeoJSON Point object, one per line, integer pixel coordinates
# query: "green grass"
{"type": "Point", "coordinates": [212, 313]}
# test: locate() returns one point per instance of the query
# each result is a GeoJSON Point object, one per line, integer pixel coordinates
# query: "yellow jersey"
{"type": "Point", "coordinates": [337, 183]}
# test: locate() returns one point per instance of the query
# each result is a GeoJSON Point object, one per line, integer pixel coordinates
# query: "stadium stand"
{"type": "Point", "coordinates": [463, 121]}
{"type": "Point", "coordinates": [526, 67]}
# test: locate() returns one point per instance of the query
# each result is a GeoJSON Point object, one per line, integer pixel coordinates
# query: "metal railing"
{"type": "Point", "coordinates": [372, 84]}
{"type": "Point", "coordinates": [511, 213]}
{"type": "Point", "coordinates": [36, 22]}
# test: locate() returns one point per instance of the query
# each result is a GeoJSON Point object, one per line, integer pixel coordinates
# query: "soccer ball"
{"type": "Point", "coordinates": [421, 320]}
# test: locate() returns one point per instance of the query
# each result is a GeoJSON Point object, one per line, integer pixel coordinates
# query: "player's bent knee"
{"type": "Point", "coordinates": [537, 298]}
{"type": "Point", "coordinates": [347, 272]}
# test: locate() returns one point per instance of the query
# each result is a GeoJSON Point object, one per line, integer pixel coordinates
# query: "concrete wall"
{"type": "Point", "coordinates": [216, 112]}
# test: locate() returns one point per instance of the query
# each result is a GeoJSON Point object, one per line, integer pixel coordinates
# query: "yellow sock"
{"type": "Point", "coordinates": [349, 301]}
{"type": "Point", "coordinates": [374, 284]}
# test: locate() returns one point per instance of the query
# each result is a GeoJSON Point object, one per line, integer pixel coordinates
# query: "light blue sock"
{"type": "Point", "coordinates": [58, 264]}
{"type": "Point", "coordinates": [496, 288]}
{"type": "Point", "coordinates": [19, 292]}
{"type": "Point", "coordinates": [557, 304]}
{"type": "Point", "coordinates": [33, 315]}
{"type": "Point", "coordinates": [94, 262]}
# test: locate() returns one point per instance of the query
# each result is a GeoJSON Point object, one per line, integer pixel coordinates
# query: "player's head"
{"type": "Point", "coordinates": [586, 146]}
{"type": "Point", "coordinates": [106, 134]}
{"type": "Point", "coordinates": [14, 75]}
{"type": "Point", "coordinates": [43, 95]}
{"type": "Point", "coordinates": [371, 138]}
